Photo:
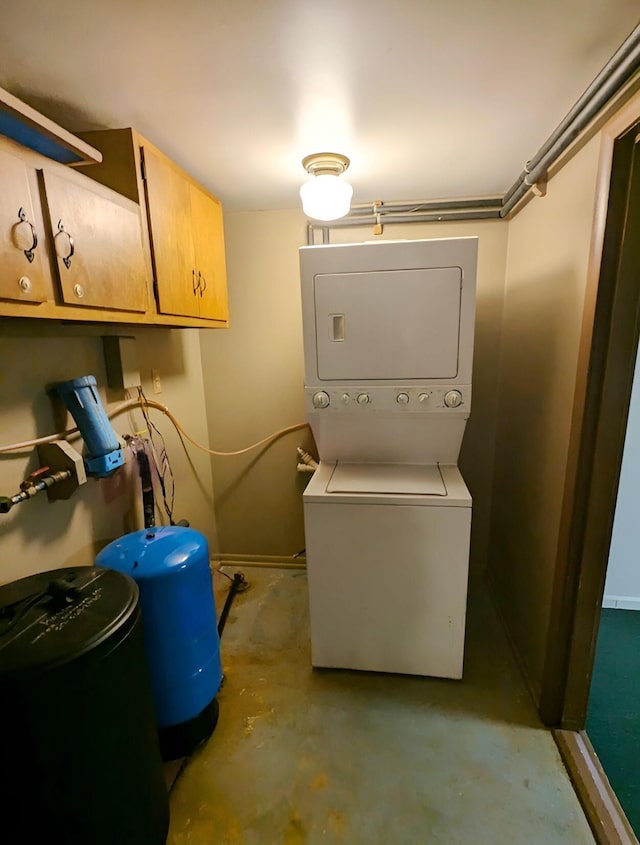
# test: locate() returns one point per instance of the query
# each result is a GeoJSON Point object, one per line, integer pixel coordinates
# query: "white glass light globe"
{"type": "Point", "coordinates": [326, 197]}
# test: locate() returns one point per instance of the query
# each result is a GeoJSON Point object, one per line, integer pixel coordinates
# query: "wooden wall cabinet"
{"type": "Point", "coordinates": [22, 272]}
{"type": "Point", "coordinates": [209, 255]}
{"type": "Point", "coordinates": [70, 248]}
{"type": "Point", "coordinates": [133, 239]}
{"type": "Point", "coordinates": [185, 230]}
{"type": "Point", "coordinates": [97, 244]}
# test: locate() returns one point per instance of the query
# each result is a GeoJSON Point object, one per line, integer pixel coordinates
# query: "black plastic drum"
{"type": "Point", "coordinates": [80, 757]}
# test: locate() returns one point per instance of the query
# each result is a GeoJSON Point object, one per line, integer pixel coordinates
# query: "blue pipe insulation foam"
{"type": "Point", "coordinates": [170, 564]}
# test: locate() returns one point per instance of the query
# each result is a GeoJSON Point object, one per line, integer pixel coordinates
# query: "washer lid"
{"type": "Point", "coordinates": [413, 479]}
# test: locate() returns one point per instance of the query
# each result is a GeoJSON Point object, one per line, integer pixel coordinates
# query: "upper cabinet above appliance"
{"type": "Point", "coordinates": [97, 244]}
{"type": "Point", "coordinates": [187, 240]}
{"type": "Point", "coordinates": [22, 275]}
{"type": "Point", "coordinates": [131, 239]}
{"type": "Point", "coordinates": [185, 230]}
{"type": "Point", "coordinates": [70, 249]}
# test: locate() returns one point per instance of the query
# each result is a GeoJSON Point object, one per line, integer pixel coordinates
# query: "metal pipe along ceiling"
{"type": "Point", "coordinates": [619, 69]}
{"type": "Point", "coordinates": [420, 206]}
{"type": "Point", "coordinates": [435, 216]}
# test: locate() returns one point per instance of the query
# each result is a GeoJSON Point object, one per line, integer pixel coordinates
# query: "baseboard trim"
{"type": "Point", "coordinates": [298, 561]}
{"type": "Point", "coordinates": [606, 817]}
{"type": "Point", "coordinates": [621, 602]}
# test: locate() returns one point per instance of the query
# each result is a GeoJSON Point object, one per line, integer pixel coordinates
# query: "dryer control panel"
{"type": "Point", "coordinates": [404, 400]}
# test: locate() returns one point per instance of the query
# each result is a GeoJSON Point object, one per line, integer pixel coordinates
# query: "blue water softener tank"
{"type": "Point", "coordinates": [171, 567]}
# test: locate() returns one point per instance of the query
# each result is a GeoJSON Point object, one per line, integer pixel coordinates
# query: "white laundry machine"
{"type": "Point", "coordinates": [388, 339]}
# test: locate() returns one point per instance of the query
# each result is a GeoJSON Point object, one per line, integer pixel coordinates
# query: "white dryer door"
{"type": "Point", "coordinates": [393, 324]}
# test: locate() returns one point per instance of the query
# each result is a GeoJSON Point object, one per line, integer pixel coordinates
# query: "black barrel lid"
{"type": "Point", "coordinates": [53, 617]}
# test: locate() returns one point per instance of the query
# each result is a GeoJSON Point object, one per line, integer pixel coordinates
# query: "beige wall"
{"type": "Point", "coordinates": [547, 259]}
{"type": "Point", "coordinates": [36, 536]}
{"type": "Point", "coordinates": [253, 376]}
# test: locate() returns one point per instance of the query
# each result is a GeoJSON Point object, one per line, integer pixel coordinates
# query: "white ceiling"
{"type": "Point", "coordinates": [428, 98]}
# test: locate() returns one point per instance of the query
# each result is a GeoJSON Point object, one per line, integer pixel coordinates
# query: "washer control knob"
{"type": "Point", "coordinates": [345, 398]}
{"type": "Point", "coordinates": [423, 397]}
{"type": "Point", "coordinates": [453, 398]}
{"type": "Point", "coordinates": [320, 399]}
{"type": "Point", "coordinates": [402, 398]}
{"type": "Point", "coordinates": [363, 399]}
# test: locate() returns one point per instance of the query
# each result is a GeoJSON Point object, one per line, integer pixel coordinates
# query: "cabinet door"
{"type": "Point", "coordinates": [169, 212]}
{"type": "Point", "coordinates": [21, 266]}
{"type": "Point", "coordinates": [98, 244]}
{"type": "Point", "coordinates": [208, 242]}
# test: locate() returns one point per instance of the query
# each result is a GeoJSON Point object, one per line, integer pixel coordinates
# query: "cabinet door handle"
{"type": "Point", "coordinates": [66, 259]}
{"type": "Point", "coordinates": [29, 252]}
{"type": "Point", "coordinates": [194, 284]}
{"type": "Point", "coordinates": [202, 286]}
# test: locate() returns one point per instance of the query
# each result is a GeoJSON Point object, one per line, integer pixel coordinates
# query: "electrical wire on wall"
{"type": "Point", "coordinates": [144, 404]}
{"type": "Point", "coordinates": [161, 460]}
{"type": "Point", "coordinates": [151, 403]}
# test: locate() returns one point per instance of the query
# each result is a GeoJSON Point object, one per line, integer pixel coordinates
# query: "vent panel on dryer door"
{"type": "Point", "coordinates": [391, 324]}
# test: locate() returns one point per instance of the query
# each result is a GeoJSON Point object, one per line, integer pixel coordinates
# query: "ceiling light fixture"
{"type": "Point", "coordinates": [326, 196]}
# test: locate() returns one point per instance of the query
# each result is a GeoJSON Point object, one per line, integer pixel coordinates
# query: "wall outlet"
{"type": "Point", "coordinates": [155, 381]}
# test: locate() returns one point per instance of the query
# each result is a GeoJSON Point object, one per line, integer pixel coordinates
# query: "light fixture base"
{"type": "Point", "coordinates": [318, 164]}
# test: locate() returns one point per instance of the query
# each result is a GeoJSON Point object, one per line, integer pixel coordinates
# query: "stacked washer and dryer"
{"type": "Point", "coordinates": [388, 346]}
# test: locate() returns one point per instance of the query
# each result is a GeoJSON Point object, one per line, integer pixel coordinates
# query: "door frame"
{"type": "Point", "coordinates": [604, 378]}
{"type": "Point", "coordinates": [604, 813]}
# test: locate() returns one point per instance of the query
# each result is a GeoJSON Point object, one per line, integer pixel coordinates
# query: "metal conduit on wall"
{"type": "Point", "coordinates": [420, 206]}
{"type": "Point", "coordinates": [372, 219]}
{"type": "Point", "coordinates": [619, 70]}
{"type": "Point", "coordinates": [612, 76]}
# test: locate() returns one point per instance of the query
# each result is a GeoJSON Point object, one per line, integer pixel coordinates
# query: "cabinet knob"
{"type": "Point", "coordinates": [29, 251]}
{"type": "Point", "coordinates": [66, 253]}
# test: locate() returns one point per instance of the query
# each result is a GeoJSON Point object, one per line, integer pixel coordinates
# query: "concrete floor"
{"type": "Point", "coordinates": [303, 757]}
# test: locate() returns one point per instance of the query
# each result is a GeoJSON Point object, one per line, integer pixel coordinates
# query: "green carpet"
{"type": "Point", "coordinates": [613, 718]}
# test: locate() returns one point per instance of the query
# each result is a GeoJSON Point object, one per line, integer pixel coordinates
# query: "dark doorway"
{"type": "Point", "coordinates": [611, 370]}
{"type": "Point", "coordinates": [601, 660]}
